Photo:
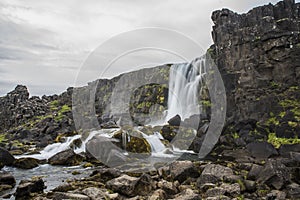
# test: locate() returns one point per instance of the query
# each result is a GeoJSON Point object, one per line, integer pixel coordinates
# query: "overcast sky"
{"type": "Point", "coordinates": [43, 44]}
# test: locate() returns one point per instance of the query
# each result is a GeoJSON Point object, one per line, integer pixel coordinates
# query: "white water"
{"type": "Point", "coordinates": [184, 82]}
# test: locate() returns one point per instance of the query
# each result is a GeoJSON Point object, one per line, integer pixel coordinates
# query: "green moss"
{"type": "Point", "coordinates": [54, 105]}
{"type": "Point", "coordinates": [60, 115]}
{"type": "Point", "coordinates": [292, 124]}
{"type": "Point", "coordinates": [290, 103]}
{"type": "Point", "coordinates": [206, 103]}
{"type": "Point", "coordinates": [235, 135]}
{"type": "Point", "coordinates": [3, 138]}
{"type": "Point", "coordinates": [282, 114]}
{"type": "Point", "coordinates": [277, 141]}
{"type": "Point", "coordinates": [272, 120]}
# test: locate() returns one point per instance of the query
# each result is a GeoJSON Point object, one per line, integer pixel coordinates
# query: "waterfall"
{"type": "Point", "coordinates": [184, 82]}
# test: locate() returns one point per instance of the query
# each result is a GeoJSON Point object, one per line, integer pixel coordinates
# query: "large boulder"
{"type": "Point", "coordinates": [175, 121]}
{"type": "Point", "coordinates": [67, 157]}
{"type": "Point", "coordinates": [5, 157]}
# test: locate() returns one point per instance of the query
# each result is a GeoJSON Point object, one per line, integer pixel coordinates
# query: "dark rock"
{"type": "Point", "coordinates": [254, 172]}
{"type": "Point", "coordinates": [261, 149]}
{"type": "Point", "coordinates": [250, 186]}
{"type": "Point", "coordinates": [104, 175]}
{"type": "Point", "coordinates": [5, 157]}
{"type": "Point", "coordinates": [169, 132]}
{"type": "Point", "coordinates": [274, 174]}
{"type": "Point", "coordinates": [7, 179]}
{"type": "Point", "coordinates": [285, 149]}
{"type": "Point", "coordinates": [213, 173]}
{"type": "Point", "coordinates": [29, 186]}
{"type": "Point", "coordinates": [158, 194]}
{"type": "Point", "coordinates": [276, 194]}
{"type": "Point", "coordinates": [26, 163]}
{"type": "Point", "coordinates": [181, 170]}
{"type": "Point", "coordinates": [175, 121]}
{"type": "Point", "coordinates": [131, 186]}
{"type": "Point", "coordinates": [67, 157]}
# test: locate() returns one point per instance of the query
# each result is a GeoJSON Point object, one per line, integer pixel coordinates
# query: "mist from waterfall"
{"type": "Point", "coordinates": [185, 82]}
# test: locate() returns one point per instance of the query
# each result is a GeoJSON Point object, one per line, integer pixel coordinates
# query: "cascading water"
{"type": "Point", "coordinates": [184, 82]}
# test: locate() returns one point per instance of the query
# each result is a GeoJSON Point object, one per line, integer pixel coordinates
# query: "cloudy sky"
{"type": "Point", "coordinates": [46, 44]}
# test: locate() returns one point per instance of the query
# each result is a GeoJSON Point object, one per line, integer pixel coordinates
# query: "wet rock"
{"type": "Point", "coordinates": [169, 132]}
{"type": "Point", "coordinates": [29, 186]}
{"type": "Point", "coordinates": [5, 157]}
{"type": "Point", "coordinates": [213, 173]}
{"type": "Point", "coordinates": [131, 186]}
{"type": "Point", "coordinates": [261, 150]}
{"type": "Point", "coordinates": [175, 121]}
{"type": "Point", "coordinates": [67, 157]}
{"type": "Point", "coordinates": [7, 181]}
{"type": "Point", "coordinates": [26, 163]}
{"type": "Point", "coordinates": [274, 174]}
{"type": "Point", "coordinates": [104, 175]}
{"type": "Point", "coordinates": [181, 170]}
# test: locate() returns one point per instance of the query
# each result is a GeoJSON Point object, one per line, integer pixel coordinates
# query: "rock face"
{"type": "Point", "coordinates": [258, 56]}
{"type": "Point", "coordinates": [5, 157]}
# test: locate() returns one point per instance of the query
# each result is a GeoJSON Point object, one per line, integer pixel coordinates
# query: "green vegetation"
{"type": "Point", "coordinates": [3, 137]}
{"type": "Point", "coordinates": [235, 135]}
{"type": "Point", "coordinates": [60, 114]}
{"type": "Point", "coordinates": [272, 120]}
{"type": "Point", "coordinates": [206, 103]}
{"type": "Point", "coordinates": [54, 105]}
{"type": "Point", "coordinates": [277, 141]}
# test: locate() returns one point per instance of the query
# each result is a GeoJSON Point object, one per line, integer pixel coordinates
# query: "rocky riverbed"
{"type": "Point", "coordinates": [257, 155]}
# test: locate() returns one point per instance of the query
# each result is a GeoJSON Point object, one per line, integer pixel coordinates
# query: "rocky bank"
{"type": "Point", "coordinates": [257, 155]}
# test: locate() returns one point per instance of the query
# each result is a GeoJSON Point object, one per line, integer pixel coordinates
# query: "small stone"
{"type": "Point", "coordinates": [213, 173]}
{"type": "Point", "coordinates": [26, 163]}
{"type": "Point", "coordinates": [181, 170]}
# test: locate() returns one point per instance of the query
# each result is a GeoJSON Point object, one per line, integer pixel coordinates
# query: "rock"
{"type": "Point", "coordinates": [254, 172]}
{"type": "Point", "coordinates": [188, 194]}
{"type": "Point", "coordinates": [261, 149]}
{"type": "Point", "coordinates": [7, 181]}
{"type": "Point", "coordinates": [274, 174]}
{"type": "Point", "coordinates": [29, 186]}
{"type": "Point", "coordinates": [276, 194]}
{"type": "Point", "coordinates": [232, 190]}
{"type": "Point", "coordinates": [181, 170]}
{"type": "Point", "coordinates": [169, 132]}
{"type": "Point", "coordinates": [71, 196]}
{"type": "Point", "coordinates": [26, 163]}
{"type": "Point", "coordinates": [285, 149]}
{"type": "Point", "coordinates": [67, 157]}
{"type": "Point", "coordinates": [250, 186]}
{"type": "Point", "coordinates": [215, 192]}
{"type": "Point", "coordinates": [158, 195]}
{"type": "Point", "coordinates": [175, 121]}
{"type": "Point", "coordinates": [293, 191]}
{"type": "Point", "coordinates": [131, 186]}
{"type": "Point", "coordinates": [213, 173]}
{"type": "Point", "coordinates": [95, 193]}
{"type": "Point", "coordinates": [104, 175]}
{"type": "Point", "coordinates": [5, 157]}
{"type": "Point", "coordinates": [169, 187]}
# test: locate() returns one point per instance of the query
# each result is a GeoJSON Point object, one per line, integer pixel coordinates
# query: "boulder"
{"type": "Point", "coordinates": [95, 193]}
{"type": "Point", "coordinates": [213, 173]}
{"type": "Point", "coordinates": [104, 175]}
{"type": "Point", "coordinates": [274, 174]}
{"type": "Point", "coordinates": [26, 163]}
{"type": "Point", "coordinates": [29, 186]}
{"type": "Point", "coordinates": [181, 170]}
{"type": "Point", "coordinates": [5, 157]}
{"type": "Point", "coordinates": [158, 194]}
{"type": "Point", "coordinates": [293, 191]}
{"type": "Point", "coordinates": [66, 195]}
{"type": "Point", "coordinates": [175, 121]}
{"type": "Point", "coordinates": [170, 188]}
{"type": "Point", "coordinates": [131, 186]}
{"type": "Point", "coordinates": [261, 150]}
{"type": "Point", "coordinates": [286, 149]}
{"type": "Point", "coordinates": [67, 157]}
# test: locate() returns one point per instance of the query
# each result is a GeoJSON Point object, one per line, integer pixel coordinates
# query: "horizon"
{"type": "Point", "coordinates": [44, 44]}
